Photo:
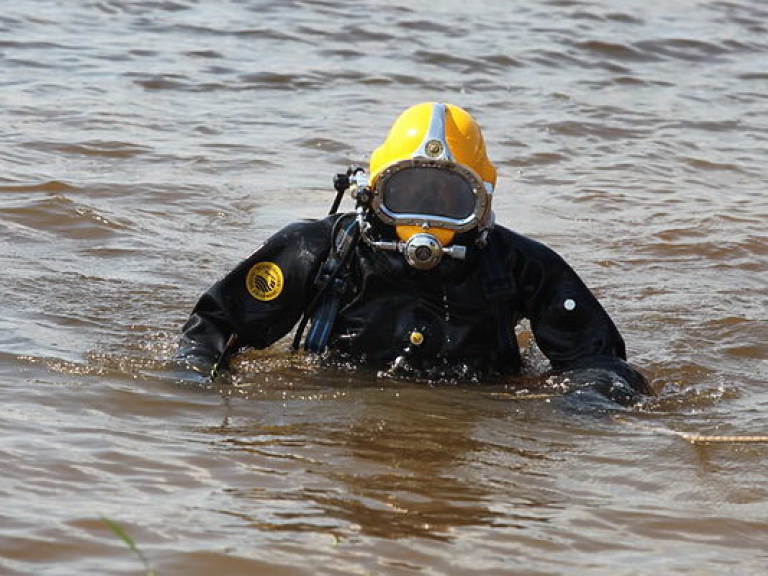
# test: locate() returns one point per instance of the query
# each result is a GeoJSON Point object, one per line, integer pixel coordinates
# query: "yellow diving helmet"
{"type": "Point", "coordinates": [430, 179]}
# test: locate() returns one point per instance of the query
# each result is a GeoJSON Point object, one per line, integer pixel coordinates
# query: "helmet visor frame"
{"type": "Point", "coordinates": [435, 193]}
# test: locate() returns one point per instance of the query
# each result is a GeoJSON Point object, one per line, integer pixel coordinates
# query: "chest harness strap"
{"type": "Point", "coordinates": [331, 284]}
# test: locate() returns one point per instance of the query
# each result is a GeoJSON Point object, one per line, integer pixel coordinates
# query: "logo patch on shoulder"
{"type": "Point", "coordinates": [264, 281]}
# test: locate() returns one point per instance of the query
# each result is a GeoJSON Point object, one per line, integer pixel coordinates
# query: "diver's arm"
{"type": "Point", "coordinates": [259, 301]}
{"type": "Point", "coordinates": [573, 330]}
{"type": "Point", "coordinates": [205, 333]}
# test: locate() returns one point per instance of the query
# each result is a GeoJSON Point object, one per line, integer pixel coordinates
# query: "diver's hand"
{"type": "Point", "coordinates": [191, 368]}
{"type": "Point", "coordinates": [599, 389]}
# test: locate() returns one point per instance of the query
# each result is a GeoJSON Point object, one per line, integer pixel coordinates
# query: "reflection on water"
{"type": "Point", "coordinates": [150, 145]}
{"type": "Point", "coordinates": [388, 469]}
{"type": "Point", "coordinates": [400, 485]}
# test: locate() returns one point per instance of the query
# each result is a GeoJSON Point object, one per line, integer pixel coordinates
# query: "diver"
{"type": "Point", "coordinates": [418, 279]}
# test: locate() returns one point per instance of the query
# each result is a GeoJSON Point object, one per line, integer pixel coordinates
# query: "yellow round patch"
{"type": "Point", "coordinates": [264, 281]}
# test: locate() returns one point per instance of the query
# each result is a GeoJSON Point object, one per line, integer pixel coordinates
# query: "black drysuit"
{"type": "Point", "coordinates": [463, 311]}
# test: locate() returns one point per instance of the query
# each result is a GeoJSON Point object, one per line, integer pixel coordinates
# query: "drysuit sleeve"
{"type": "Point", "coordinates": [573, 330]}
{"type": "Point", "coordinates": [259, 301]}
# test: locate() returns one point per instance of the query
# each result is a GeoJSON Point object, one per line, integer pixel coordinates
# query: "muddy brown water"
{"type": "Point", "coordinates": [147, 146]}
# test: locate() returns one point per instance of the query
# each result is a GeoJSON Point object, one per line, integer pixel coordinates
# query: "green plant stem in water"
{"type": "Point", "coordinates": [118, 530]}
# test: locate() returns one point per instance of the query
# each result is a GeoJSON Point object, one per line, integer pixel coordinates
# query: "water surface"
{"type": "Point", "coordinates": [148, 146]}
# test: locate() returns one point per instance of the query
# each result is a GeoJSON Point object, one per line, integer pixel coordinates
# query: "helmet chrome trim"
{"type": "Point", "coordinates": [434, 145]}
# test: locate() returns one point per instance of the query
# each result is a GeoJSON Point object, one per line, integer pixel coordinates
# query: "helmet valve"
{"type": "Point", "coordinates": [424, 251]}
